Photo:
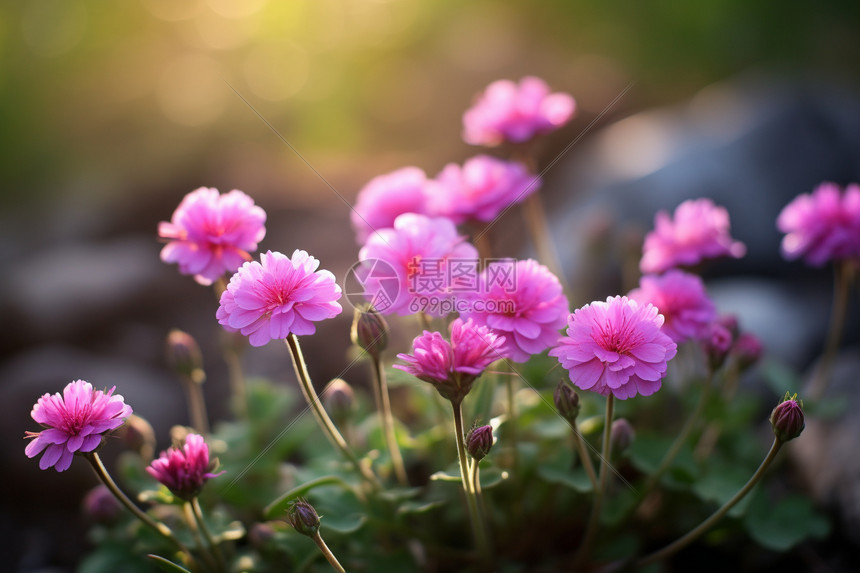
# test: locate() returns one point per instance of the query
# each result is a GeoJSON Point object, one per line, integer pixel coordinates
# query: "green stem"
{"type": "Point", "coordinates": [513, 433]}
{"type": "Point", "coordinates": [191, 520]}
{"type": "Point", "coordinates": [841, 289]}
{"type": "Point", "coordinates": [196, 405]}
{"type": "Point", "coordinates": [594, 518]}
{"type": "Point", "coordinates": [214, 547]}
{"type": "Point", "coordinates": [327, 553]}
{"type": "Point", "coordinates": [681, 439]}
{"type": "Point", "coordinates": [691, 536]}
{"type": "Point", "coordinates": [478, 526]}
{"type": "Point", "coordinates": [579, 441]}
{"type": "Point", "coordinates": [328, 427]}
{"type": "Point", "coordinates": [161, 528]}
{"type": "Point", "coordinates": [386, 420]}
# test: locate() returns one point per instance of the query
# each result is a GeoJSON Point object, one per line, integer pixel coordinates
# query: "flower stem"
{"type": "Point", "coordinates": [386, 420]}
{"type": "Point", "coordinates": [196, 404]}
{"type": "Point", "coordinates": [161, 528]}
{"type": "Point", "coordinates": [327, 553]}
{"type": "Point", "coordinates": [841, 289]}
{"type": "Point", "coordinates": [234, 362]}
{"type": "Point", "coordinates": [191, 520]}
{"type": "Point", "coordinates": [681, 439]}
{"type": "Point", "coordinates": [478, 527]}
{"type": "Point", "coordinates": [322, 417]}
{"type": "Point", "coordinates": [214, 547]}
{"type": "Point", "coordinates": [579, 441]}
{"type": "Point", "coordinates": [512, 419]}
{"type": "Point", "coordinates": [594, 519]}
{"type": "Point", "coordinates": [538, 226]}
{"type": "Point", "coordinates": [691, 536]}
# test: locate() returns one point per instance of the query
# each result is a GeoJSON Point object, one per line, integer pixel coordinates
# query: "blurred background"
{"type": "Point", "coordinates": [111, 112]}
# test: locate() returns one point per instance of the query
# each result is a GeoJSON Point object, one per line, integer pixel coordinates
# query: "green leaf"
{"type": "Point", "coordinates": [576, 479]}
{"type": "Point", "coordinates": [342, 524]}
{"type": "Point", "coordinates": [723, 480]}
{"type": "Point", "coordinates": [418, 507]}
{"type": "Point", "coordinates": [780, 377]}
{"type": "Point", "coordinates": [166, 565]}
{"type": "Point", "coordinates": [784, 524]}
{"type": "Point", "coordinates": [280, 505]}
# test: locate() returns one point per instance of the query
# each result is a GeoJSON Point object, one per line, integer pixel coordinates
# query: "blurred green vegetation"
{"type": "Point", "coordinates": [104, 99]}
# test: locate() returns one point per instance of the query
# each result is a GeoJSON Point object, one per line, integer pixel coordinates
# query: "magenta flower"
{"type": "Point", "coordinates": [699, 230]}
{"type": "Point", "coordinates": [424, 259]}
{"type": "Point", "coordinates": [480, 190]}
{"type": "Point", "coordinates": [385, 197]}
{"type": "Point", "coordinates": [277, 297]}
{"type": "Point", "coordinates": [616, 347]}
{"type": "Point", "coordinates": [74, 422]}
{"type": "Point", "coordinates": [211, 234]}
{"type": "Point", "coordinates": [523, 301]}
{"type": "Point", "coordinates": [822, 226]}
{"type": "Point", "coordinates": [184, 470]}
{"type": "Point", "coordinates": [453, 366]}
{"type": "Point", "coordinates": [681, 298]}
{"type": "Point", "coordinates": [515, 112]}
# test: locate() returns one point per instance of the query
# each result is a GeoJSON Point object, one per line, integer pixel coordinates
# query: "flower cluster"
{"type": "Point", "coordinates": [413, 239]}
{"type": "Point", "coordinates": [278, 296]}
{"type": "Point", "coordinates": [699, 230]}
{"type": "Point", "coordinates": [75, 422]}
{"type": "Point", "coordinates": [616, 347]}
{"type": "Point", "coordinates": [537, 308]}
{"type": "Point", "coordinates": [822, 226]}
{"type": "Point", "coordinates": [387, 196]}
{"type": "Point", "coordinates": [681, 298]}
{"type": "Point", "coordinates": [211, 234]}
{"type": "Point", "coordinates": [507, 111]}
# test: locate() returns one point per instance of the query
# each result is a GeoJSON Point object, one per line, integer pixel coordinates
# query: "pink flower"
{"type": "Point", "coordinates": [822, 226]}
{"type": "Point", "coordinates": [74, 422]}
{"type": "Point", "coordinates": [452, 366]}
{"type": "Point", "coordinates": [616, 347]}
{"type": "Point", "coordinates": [277, 297]}
{"type": "Point", "coordinates": [184, 470]}
{"type": "Point", "coordinates": [510, 112]}
{"type": "Point", "coordinates": [422, 257]}
{"type": "Point", "coordinates": [523, 301]}
{"type": "Point", "coordinates": [681, 298]}
{"type": "Point", "coordinates": [387, 196]}
{"type": "Point", "coordinates": [480, 190]}
{"type": "Point", "coordinates": [700, 230]}
{"type": "Point", "coordinates": [211, 234]}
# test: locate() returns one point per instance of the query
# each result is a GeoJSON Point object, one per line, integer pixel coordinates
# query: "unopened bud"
{"type": "Point", "coordinates": [339, 399]}
{"type": "Point", "coordinates": [717, 345]}
{"type": "Point", "coordinates": [261, 534]}
{"type": "Point", "coordinates": [183, 355]}
{"type": "Point", "coordinates": [621, 435]}
{"type": "Point", "coordinates": [369, 331]}
{"type": "Point", "coordinates": [101, 505]}
{"type": "Point", "coordinates": [479, 442]}
{"type": "Point", "coordinates": [730, 323]}
{"type": "Point", "coordinates": [747, 350]}
{"type": "Point", "coordinates": [787, 418]}
{"type": "Point", "coordinates": [566, 401]}
{"type": "Point", "coordinates": [303, 517]}
{"type": "Point", "coordinates": [139, 436]}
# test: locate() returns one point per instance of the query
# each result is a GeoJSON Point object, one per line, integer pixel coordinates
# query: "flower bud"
{"type": "Point", "coordinates": [730, 323]}
{"type": "Point", "coordinates": [183, 355]}
{"type": "Point", "coordinates": [369, 331]}
{"type": "Point", "coordinates": [566, 401]}
{"type": "Point", "coordinates": [261, 534]}
{"type": "Point", "coordinates": [787, 418]}
{"type": "Point", "coordinates": [621, 435]}
{"type": "Point", "coordinates": [479, 442]}
{"type": "Point", "coordinates": [303, 517]}
{"type": "Point", "coordinates": [139, 436]}
{"type": "Point", "coordinates": [339, 399]}
{"type": "Point", "coordinates": [717, 345]}
{"type": "Point", "coordinates": [101, 506]}
{"type": "Point", "coordinates": [747, 350]}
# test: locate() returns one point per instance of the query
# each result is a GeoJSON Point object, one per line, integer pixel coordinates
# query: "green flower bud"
{"type": "Point", "coordinates": [566, 401]}
{"type": "Point", "coordinates": [369, 331]}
